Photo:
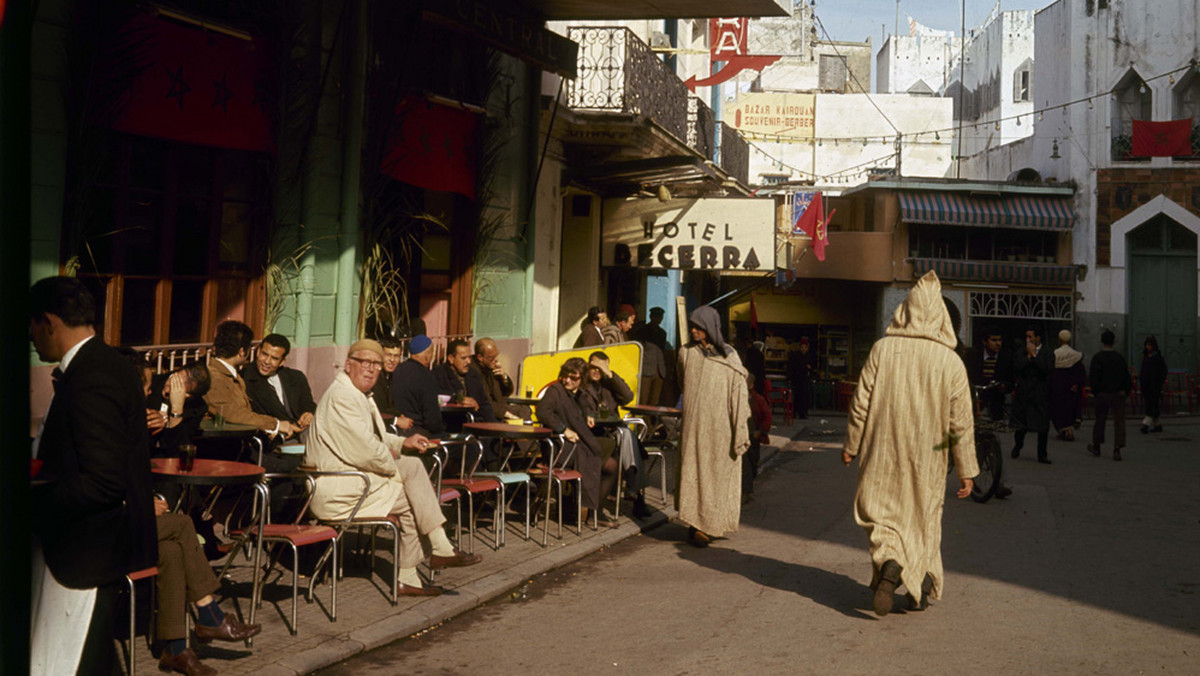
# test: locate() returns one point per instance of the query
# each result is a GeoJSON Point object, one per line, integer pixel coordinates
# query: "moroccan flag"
{"type": "Point", "coordinates": [1162, 139]}
{"type": "Point", "coordinates": [433, 147]}
{"type": "Point", "coordinates": [812, 221]}
{"type": "Point", "coordinates": [198, 86]}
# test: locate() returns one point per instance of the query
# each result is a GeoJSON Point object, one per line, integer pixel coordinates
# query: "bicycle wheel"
{"type": "Point", "coordinates": [988, 455]}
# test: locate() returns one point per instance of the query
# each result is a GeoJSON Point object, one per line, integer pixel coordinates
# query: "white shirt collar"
{"type": "Point", "coordinates": [232, 371]}
{"type": "Point", "coordinates": [66, 360]}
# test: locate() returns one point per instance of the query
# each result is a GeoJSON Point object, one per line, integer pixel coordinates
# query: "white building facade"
{"type": "Point", "coordinates": [1100, 66]}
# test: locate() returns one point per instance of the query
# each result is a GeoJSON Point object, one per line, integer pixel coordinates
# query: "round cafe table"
{"type": "Point", "coordinates": [527, 401]}
{"type": "Point", "coordinates": [657, 411]}
{"type": "Point", "coordinates": [207, 472]}
{"type": "Point", "coordinates": [230, 430]}
{"type": "Point", "coordinates": [221, 473]}
{"type": "Point", "coordinates": [505, 431]}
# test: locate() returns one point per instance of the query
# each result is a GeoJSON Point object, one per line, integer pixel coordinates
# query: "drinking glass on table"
{"type": "Point", "coordinates": [187, 457]}
{"type": "Point", "coordinates": [219, 418]}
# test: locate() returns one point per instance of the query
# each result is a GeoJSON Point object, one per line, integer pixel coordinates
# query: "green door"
{"type": "Point", "coordinates": [1162, 292]}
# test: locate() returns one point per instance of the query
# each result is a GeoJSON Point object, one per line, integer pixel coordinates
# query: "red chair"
{"type": "Point", "coordinates": [780, 396]}
{"type": "Point", "coordinates": [555, 473]}
{"type": "Point", "coordinates": [130, 579]}
{"type": "Point", "coordinates": [296, 535]}
{"type": "Point", "coordinates": [470, 485]}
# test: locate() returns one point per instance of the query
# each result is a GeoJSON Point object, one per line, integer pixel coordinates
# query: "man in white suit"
{"type": "Point", "coordinates": [349, 434]}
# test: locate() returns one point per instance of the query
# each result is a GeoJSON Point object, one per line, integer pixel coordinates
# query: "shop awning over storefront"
{"type": "Point", "coordinates": [995, 271]}
{"type": "Point", "coordinates": [1022, 212]}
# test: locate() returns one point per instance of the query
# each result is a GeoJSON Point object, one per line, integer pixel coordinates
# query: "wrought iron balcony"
{"type": "Point", "coordinates": [617, 72]}
{"type": "Point", "coordinates": [735, 154]}
{"type": "Point", "coordinates": [700, 127]}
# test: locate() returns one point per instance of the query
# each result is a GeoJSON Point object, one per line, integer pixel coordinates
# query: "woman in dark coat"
{"type": "Point", "coordinates": [1152, 378]}
{"type": "Point", "coordinates": [561, 410]}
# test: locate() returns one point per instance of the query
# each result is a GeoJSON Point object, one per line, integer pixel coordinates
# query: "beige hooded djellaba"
{"type": "Point", "coordinates": [715, 431]}
{"type": "Point", "coordinates": [912, 403]}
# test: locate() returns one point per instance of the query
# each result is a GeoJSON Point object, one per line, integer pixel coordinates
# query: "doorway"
{"type": "Point", "coordinates": [1162, 291]}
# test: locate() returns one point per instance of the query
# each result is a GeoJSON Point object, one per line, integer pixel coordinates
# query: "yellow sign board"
{"type": "Point", "coordinates": [787, 115]}
{"type": "Point", "coordinates": [540, 370]}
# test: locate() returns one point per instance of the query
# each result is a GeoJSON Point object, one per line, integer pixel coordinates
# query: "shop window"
{"type": "Point", "coordinates": [169, 239]}
{"type": "Point", "coordinates": [1132, 100]}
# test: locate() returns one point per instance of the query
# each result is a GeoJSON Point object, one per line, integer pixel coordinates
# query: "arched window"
{"type": "Point", "coordinates": [1132, 100]}
{"type": "Point", "coordinates": [1187, 105]}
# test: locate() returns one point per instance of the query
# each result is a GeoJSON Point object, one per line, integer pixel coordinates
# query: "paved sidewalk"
{"type": "Point", "coordinates": [366, 618]}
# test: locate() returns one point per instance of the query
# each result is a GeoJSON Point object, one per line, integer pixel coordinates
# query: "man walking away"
{"type": "Point", "coordinates": [1031, 401]}
{"type": "Point", "coordinates": [1110, 381]}
{"type": "Point", "coordinates": [912, 409]}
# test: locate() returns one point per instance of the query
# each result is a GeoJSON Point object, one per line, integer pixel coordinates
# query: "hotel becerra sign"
{"type": "Point", "coordinates": [689, 234]}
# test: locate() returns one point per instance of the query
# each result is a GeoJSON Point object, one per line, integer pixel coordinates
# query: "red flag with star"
{"type": "Point", "coordinates": [198, 86]}
{"type": "Point", "coordinates": [433, 147]}
{"type": "Point", "coordinates": [813, 222]}
{"type": "Point", "coordinates": [1162, 139]}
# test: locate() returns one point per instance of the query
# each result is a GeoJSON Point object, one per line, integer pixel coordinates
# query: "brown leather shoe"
{"type": "Point", "coordinates": [185, 662]}
{"type": "Point", "coordinates": [459, 560]}
{"type": "Point", "coordinates": [431, 590]}
{"type": "Point", "coordinates": [229, 630]}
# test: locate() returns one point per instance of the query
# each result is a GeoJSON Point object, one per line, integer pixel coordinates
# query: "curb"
{"type": "Point", "coordinates": [435, 611]}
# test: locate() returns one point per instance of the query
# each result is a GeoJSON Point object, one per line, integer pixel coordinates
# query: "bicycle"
{"type": "Point", "coordinates": [988, 453]}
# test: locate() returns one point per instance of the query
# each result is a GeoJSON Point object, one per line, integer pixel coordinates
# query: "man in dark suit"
{"type": "Point", "coordinates": [276, 390]}
{"type": "Point", "coordinates": [94, 516]}
{"type": "Point", "coordinates": [991, 366]}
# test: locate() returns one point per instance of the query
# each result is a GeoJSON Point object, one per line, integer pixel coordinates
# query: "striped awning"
{"type": "Point", "coordinates": [1023, 212]}
{"type": "Point", "coordinates": [995, 271]}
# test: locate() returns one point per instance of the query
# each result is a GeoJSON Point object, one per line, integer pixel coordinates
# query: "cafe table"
{"type": "Point", "coordinates": [653, 416]}
{"type": "Point", "coordinates": [231, 430]}
{"type": "Point", "coordinates": [219, 474]}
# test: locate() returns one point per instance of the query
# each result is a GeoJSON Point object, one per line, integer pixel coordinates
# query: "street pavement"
{"type": "Point", "coordinates": [1090, 567]}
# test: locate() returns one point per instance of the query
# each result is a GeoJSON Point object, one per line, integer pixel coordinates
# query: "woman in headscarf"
{"type": "Point", "coordinates": [715, 431]}
{"type": "Point", "coordinates": [561, 410]}
{"type": "Point", "coordinates": [1152, 379]}
{"type": "Point", "coordinates": [1066, 388]}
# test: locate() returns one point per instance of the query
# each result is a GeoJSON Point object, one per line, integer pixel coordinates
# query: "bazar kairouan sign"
{"type": "Point", "coordinates": [689, 234]}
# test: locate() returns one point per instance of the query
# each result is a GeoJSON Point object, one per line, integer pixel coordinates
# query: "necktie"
{"type": "Point", "coordinates": [56, 377]}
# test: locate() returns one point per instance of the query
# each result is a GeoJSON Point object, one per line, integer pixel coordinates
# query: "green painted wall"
{"type": "Point", "coordinates": [502, 308]}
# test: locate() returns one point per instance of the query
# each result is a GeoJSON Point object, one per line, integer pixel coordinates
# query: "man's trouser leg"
{"type": "Point", "coordinates": [1103, 402]}
{"type": "Point", "coordinates": [183, 574]}
{"type": "Point", "coordinates": [99, 651]}
{"type": "Point", "coordinates": [1118, 411]}
{"type": "Point", "coordinates": [417, 509]}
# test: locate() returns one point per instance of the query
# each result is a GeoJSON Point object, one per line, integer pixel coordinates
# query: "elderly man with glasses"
{"type": "Point", "coordinates": [348, 434]}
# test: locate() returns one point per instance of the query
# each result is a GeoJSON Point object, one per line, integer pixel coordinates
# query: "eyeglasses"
{"type": "Point", "coordinates": [571, 376]}
{"type": "Point", "coordinates": [368, 364]}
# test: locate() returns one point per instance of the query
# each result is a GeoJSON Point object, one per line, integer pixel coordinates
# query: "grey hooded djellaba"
{"type": "Point", "coordinates": [715, 432]}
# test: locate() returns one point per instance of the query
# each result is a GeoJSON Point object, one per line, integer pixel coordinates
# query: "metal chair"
{"type": "Point", "coordinates": [296, 535]}
{"type": "Point", "coordinates": [360, 522]}
{"type": "Point", "coordinates": [656, 449]}
{"type": "Point", "coordinates": [508, 477]}
{"type": "Point", "coordinates": [130, 579]}
{"type": "Point", "coordinates": [469, 485]}
{"type": "Point", "coordinates": [555, 473]}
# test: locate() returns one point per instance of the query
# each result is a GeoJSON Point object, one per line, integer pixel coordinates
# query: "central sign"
{"type": "Point", "coordinates": [689, 234]}
{"type": "Point", "coordinates": [784, 115]}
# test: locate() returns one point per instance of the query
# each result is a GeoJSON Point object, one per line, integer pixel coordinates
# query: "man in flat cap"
{"type": "Point", "coordinates": [349, 434]}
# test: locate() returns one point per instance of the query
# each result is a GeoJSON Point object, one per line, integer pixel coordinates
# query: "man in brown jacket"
{"type": "Point", "coordinates": [227, 391]}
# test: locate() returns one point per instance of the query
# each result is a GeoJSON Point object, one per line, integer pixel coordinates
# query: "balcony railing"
{"type": "Point", "coordinates": [617, 72]}
{"type": "Point", "coordinates": [700, 122]}
{"type": "Point", "coordinates": [735, 154]}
